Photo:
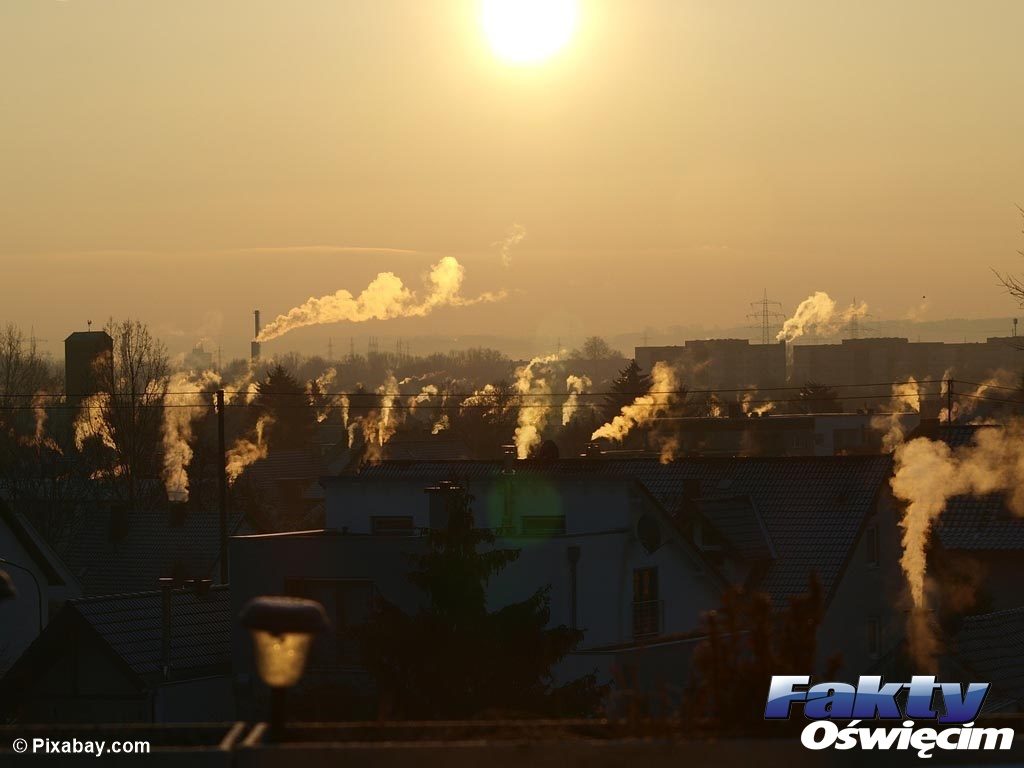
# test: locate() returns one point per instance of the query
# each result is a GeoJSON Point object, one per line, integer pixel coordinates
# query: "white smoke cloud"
{"type": "Point", "coordinates": [534, 402]}
{"type": "Point", "coordinates": [245, 451]}
{"type": "Point", "coordinates": [575, 386]}
{"type": "Point", "coordinates": [819, 312]}
{"type": "Point", "coordinates": [645, 408]}
{"type": "Point", "coordinates": [187, 400]}
{"type": "Point", "coordinates": [927, 475]}
{"type": "Point", "coordinates": [385, 298]}
{"type": "Point", "coordinates": [512, 238]}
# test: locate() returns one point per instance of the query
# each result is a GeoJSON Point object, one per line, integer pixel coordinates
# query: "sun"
{"type": "Point", "coordinates": [528, 31]}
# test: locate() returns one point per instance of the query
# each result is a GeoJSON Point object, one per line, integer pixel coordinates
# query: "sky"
{"type": "Point", "coordinates": [185, 161]}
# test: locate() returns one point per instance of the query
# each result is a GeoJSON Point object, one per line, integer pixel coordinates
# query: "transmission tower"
{"type": "Point", "coordinates": [854, 328]}
{"type": "Point", "coordinates": [766, 317]}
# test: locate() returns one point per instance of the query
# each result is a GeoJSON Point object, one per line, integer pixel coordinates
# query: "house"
{"type": "Point", "coordinates": [41, 579]}
{"type": "Point", "coordinates": [155, 656]}
{"type": "Point", "coordinates": [634, 551]}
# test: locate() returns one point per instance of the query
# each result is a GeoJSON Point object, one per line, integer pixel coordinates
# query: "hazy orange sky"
{"type": "Point", "coordinates": [184, 161]}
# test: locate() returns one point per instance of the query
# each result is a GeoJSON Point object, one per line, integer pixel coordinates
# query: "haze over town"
{"type": "Point", "coordinates": [713, 152]}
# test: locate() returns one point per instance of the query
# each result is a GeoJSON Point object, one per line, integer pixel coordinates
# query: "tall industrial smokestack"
{"type": "Point", "coordinates": [255, 347]}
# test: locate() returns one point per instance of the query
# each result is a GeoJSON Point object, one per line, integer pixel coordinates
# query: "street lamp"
{"type": "Point", "coordinates": [282, 630]}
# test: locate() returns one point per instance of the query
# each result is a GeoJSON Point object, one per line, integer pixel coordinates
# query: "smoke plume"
{"type": "Point", "coordinates": [929, 473]}
{"type": "Point", "coordinates": [905, 398]}
{"type": "Point", "coordinates": [245, 451]}
{"type": "Point", "coordinates": [645, 408]}
{"type": "Point", "coordinates": [385, 298]}
{"type": "Point", "coordinates": [534, 403]}
{"type": "Point", "coordinates": [575, 386]}
{"type": "Point", "coordinates": [90, 421]}
{"type": "Point", "coordinates": [512, 238]}
{"type": "Point", "coordinates": [187, 400]}
{"type": "Point", "coordinates": [818, 312]}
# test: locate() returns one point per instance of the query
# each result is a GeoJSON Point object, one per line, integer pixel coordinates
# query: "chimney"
{"type": "Point", "coordinates": [166, 590]}
{"type": "Point", "coordinates": [508, 456]}
{"type": "Point", "coordinates": [592, 451]}
{"type": "Point", "coordinates": [735, 410]}
{"type": "Point", "coordinates": [254, 349]}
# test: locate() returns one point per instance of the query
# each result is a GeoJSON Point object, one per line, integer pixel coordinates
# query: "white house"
{"type": "Point", "coordinates": [634, 551]}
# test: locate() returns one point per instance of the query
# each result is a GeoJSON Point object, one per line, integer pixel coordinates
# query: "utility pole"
{"type": "Point", "coordinates": [222, 488]}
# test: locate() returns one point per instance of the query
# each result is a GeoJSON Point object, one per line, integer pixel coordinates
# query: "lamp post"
{"type": "Point", "coordinates": [282, 630]}
{"type": "Point", "coordinates": [39, 589]}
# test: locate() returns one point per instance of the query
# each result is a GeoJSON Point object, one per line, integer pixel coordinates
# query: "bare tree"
{"type": "Point", "coordinates": [134, 382]}
{"type": "Point", "coordinates": [1014, 285]}
{"type": "Point", "coordinates": [23, 371]}
{"type": "Point", "coordinates": [595, 348]}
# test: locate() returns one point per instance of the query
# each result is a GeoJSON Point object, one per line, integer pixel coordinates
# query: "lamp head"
{"type": "Point", "coordinates": [282, 629]}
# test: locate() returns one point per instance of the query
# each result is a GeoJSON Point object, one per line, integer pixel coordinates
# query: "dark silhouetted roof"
{"type": "Point", "coordinates": [737, 519]}
{"type": "Point", "coordinates": [152, 548]}
{"type": "Point", "coordinates": [425, 449]}
{"type": "Point", "coordinates": [812, 507]}
{"type": "Point", "coordinates": [992, 645]}
{"type": "Point", "coordinates": [131, 625]}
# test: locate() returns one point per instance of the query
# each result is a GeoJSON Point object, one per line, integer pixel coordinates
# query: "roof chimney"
{"type": "Point", "coordinates": [592, 451]}
{"type": "Point", "coordinates": [508, 455]}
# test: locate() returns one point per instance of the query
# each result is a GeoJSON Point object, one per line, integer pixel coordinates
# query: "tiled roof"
{"type": "Point", "coordinates": [992, 645]}
{"type": "Point", "coordinates": [981, 523]}
{"type": "Point", "coordinates": [151, 548]}
{"type": "Point", "coordinates": [975, 522]}
{"type": "Point", "coordinates": [131, 624]}
{"type": "Point", "coordinates": [285, 467]}
{"type": "Point", "coordinates": [737, 519]}
{"type": "Point", "coordinates": [812, 507]}
{"type": "Point", "coordinates": [426, 449]}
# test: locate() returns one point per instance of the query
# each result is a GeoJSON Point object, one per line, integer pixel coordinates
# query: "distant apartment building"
{"type": "Point", "coordinates": [791, 434]}
{"type": "Point", "coordinates": [873, 361]}
{"type": "Point", "coordinates": [722, 364]}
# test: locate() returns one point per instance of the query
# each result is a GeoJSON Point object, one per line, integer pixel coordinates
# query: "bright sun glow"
{"type": "Point", "coordinates": [528, 31]}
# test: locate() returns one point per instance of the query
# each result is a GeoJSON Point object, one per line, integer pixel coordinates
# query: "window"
{"type": "Point", "coordinates": [391, 525]}
{"type": "Point", "coordinates": [543, 525]}
{"type": "Point", "coordinates": [348, 603]}
{"type": "Point", "coordinates": [646, 605]}
{"type": "Point", "coordinates": [874, 638]}
{"type": "Point", "coordinates": [871, 545]}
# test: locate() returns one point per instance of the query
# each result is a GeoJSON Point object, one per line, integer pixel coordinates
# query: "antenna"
{"type": "Point", "coordinates": [766, 317]}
